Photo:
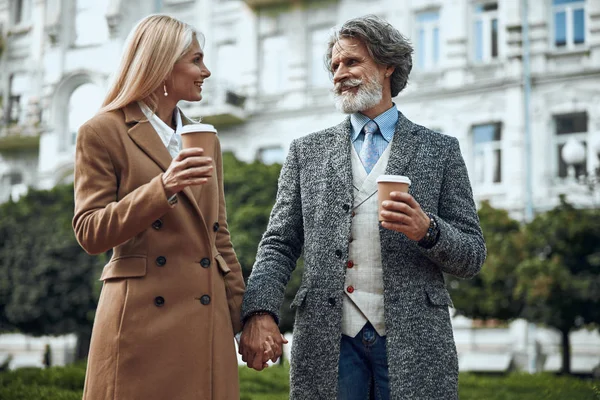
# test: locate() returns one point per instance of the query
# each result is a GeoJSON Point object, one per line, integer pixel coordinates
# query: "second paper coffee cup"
{"type": "Point", "coordinates": [390, 183]}
{"type": "Point", "coordinates": [199, 135]}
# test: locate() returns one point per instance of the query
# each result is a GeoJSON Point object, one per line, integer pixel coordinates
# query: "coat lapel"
{"type": "Point", "coordinates": [405, 145]}
{"type": "Point", "coordinates": [146, 138]}
{"type": "Point", "coordinates": [340, 162]}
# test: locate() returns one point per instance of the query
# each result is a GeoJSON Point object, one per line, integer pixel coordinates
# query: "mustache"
{"type": "Point", "coordinates": [349, 83]}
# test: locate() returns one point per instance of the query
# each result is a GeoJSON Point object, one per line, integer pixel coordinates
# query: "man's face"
{"type": "Point", "coordinates": [358, 80]}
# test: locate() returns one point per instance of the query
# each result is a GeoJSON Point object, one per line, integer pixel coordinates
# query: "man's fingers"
{"type": "Point", "coordinates": [283, 339]}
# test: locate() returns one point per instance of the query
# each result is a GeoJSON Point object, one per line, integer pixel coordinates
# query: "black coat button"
{"type": "Point", "coordinates": [216, 226]}
{"type": "Point", "coordinates": [205, 262]}
{"type": "Point", "coordinates": [346, 207]}
{"type": "Point", "coordinates": [338, 253]}
{"type": "Point", "coordinates": [160, 261]}
{"type": "Point", "coordinates": [205, 299]}
{"type": "Point", "coordinates": [331, 301]}
{"type": "Point", "coordinates": [159, 301]}
{"type": "Point", "coordinates": [157, 224]}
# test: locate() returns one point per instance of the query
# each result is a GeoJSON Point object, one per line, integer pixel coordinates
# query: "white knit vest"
{"type": "Point", "coordinates": [365, 302]}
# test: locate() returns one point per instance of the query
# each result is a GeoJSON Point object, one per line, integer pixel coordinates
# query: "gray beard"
{"type": "Point", "coordinates": [369, 95]}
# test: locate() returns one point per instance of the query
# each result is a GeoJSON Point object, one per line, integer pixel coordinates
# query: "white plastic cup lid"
{"type": "Point", "coordinates": [190, 128]}
{"type": "Point", "coordinates": [394, 179]}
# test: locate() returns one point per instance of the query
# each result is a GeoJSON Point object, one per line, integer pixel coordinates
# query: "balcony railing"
{"type": "Point", "coordinates": [265, 3]}
{"type": "Point", "coordinates": [222, 104]}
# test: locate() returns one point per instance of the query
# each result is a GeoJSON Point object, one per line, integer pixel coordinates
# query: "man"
{"type": "Point", "coordinates": [372, 314]}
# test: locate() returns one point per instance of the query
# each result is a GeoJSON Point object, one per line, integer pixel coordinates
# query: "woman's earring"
{"type": "Point", "coordinates": [165, 89]}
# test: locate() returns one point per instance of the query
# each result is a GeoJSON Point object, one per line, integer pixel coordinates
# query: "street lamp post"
{"type": "Point", "coordinates": [574, 154]}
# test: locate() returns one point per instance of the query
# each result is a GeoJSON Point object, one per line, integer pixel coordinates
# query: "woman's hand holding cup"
{"type": "Point", "coordinates": [190, 167]}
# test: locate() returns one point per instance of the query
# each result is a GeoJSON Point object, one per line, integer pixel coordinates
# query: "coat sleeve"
{"type": "Point", "coordinates": [102, 221]}
{"type": "Point", "coordinates": [281, 244]}
{"type": "Point", "coordinates": [234, 281]}
{"type": "Point", "coordinates": [460, 250]}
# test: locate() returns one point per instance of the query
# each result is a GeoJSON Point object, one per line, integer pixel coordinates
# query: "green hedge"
{"type": "Point", "coordinates": [66, 383]}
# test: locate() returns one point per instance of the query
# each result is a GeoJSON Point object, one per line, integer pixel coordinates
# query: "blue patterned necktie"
{"type": "Point", "coordinates": [368, 152]}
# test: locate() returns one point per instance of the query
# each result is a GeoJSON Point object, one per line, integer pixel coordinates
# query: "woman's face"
{"type": "Point", "coordinates": [188, 75]}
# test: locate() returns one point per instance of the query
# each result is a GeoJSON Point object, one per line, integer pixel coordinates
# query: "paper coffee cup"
{"type": "Point", "coordinates": [199, 135]}
{"type": "Point", "coordinates": [390, 183]}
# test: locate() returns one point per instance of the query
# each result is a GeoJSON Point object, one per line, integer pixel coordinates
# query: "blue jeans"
{"type": "Point", "coordinates": [363, 370]}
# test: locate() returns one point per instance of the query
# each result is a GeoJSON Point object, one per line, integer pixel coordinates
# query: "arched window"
{"type": "Point", "coordinates": [83, 104]}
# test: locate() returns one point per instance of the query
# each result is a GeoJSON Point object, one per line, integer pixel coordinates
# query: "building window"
{"type": "Point", "coordinates": [319, 76]}
{"type": "Point", "coordinates": [427, 46]}
{"type": "Point", "coordinates": [227, 71]}
{"type": "Point", "coordinates": [569, 23]}
{"type": "Point", "coordinates": [271, 155]}
{"type": "Point", "coordinates": [570, 126]}
{"type": "Point", "coordinates": [485, 32]}
{"type": "Point", "coordinates": [487, 153]}
{"type": "Point", "coordinates": [90, 22]}
{"type": "Point", "coordinates": [274, 64]}
{"type": "Point", "coordinates": [84, 102]}
{"type": "Point", "coordinates": [21, 11]}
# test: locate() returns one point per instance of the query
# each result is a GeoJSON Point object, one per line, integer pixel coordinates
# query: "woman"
{"type": "Point", "coordinates": [172, 291]}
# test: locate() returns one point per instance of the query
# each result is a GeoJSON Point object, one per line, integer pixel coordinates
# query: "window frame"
{"type": "Point", "coordinates": [561, 139]}
{"type": "Point", "coordinates": [489, 159]}
{"type": "Point", "coordinates": [569, 9]}
{"type": "Point", "coordinates": [486, 17]}
{"type": "Point", "coordinates": [433, 61]}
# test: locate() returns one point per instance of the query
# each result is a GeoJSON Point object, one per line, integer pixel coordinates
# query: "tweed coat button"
{"type": "Point", "coordinates": [350, 264]}
{"type": "Point", "coordinates": [161, 261]}
{"type": "Point", "coordinates": [205, 300]}
{"type": "Point", "coordinates": [159, 301]}
{"type": "Point", "coordinates": [216, 226]}
{"type": "Point", "coordinates": [350, 289]}
{"type": "Point", "coordinates": [205, 262]}
{"type": "Point", "coordinates": [346, 207]}
{"type": "Point", "coordinates": [338, 253]}
{"type": "Point", "coordinates": [351, 240]}
{"type": "Point", "coordinates": [157, 224]}
{"type": "Point", "coordinates": [353, 213]}
{"type": "Point", "coordinates": [331, 301]}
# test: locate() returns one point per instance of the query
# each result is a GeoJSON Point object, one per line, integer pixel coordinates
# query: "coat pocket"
{"type": "Point", "coordinates": [222, 264]}
{"type": "Point", "coordinates": [124, 267]}
{"type": "Point", "coordinates": [299, 298]}
{"type": "Point", "coordinates": [439, 296]}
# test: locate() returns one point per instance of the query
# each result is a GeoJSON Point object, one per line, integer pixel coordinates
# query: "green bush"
{"type": "Point", "coordinates": [64, 378]}
{"type": "Point", "coordinates": [527, 387]}
{"type": "Point", "coordinates": [66, 383]}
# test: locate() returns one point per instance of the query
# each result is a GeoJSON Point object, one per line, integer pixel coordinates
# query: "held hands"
{"type": "Point", "coordinates": [261, 341]}
{"type": "Point", "coordinates": [188, 168]}
{"type": "Point", "coordinates": [404, 214]}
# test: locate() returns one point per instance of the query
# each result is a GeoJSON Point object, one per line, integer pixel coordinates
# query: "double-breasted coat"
{"type": "Point", "coordinates": [313, 213]}
{"type": "Point", "coordinates": [172, 290]}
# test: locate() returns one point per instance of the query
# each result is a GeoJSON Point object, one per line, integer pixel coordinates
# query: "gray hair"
{"type": "Point", "coordinates": [385, 44]}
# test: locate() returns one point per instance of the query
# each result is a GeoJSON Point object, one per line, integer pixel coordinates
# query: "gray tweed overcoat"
{"type": "Point", "coordinates": [312, 213]}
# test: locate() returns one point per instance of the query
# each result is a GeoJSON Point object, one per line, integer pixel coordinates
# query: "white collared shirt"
{"type": "Point", "coordinates": [170, 138]}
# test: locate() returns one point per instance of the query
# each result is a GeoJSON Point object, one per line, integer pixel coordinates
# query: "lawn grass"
{"type": "Point", "coordinates": [66, 383]}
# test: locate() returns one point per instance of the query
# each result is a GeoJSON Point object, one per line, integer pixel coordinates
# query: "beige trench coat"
{"type": "Point", "coordinates": [172, 291]}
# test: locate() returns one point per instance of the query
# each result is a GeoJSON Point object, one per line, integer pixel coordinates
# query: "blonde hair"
{"type": "Point", "coordinates": [151, 50]}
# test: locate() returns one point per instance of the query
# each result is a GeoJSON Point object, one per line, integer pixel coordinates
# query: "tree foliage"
{"type": "Point", "coordinates": [250, 191]}
{"type": "Point", "coordinates": [547, 271]}
{"type": "Point", "coordinates": [491, 294]}
{"type": "Point", "coordinates": [559, 277]}
{"type": "Point", "coordinates": [46, 280]}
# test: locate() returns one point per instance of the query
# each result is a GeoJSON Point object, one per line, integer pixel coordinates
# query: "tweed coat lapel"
{"type": "Point", "coordinates": [405, 144]}
{"type": "Point", "coordinates": [340, 162]}
{"type": "Point", "coordinates": [144, 135]}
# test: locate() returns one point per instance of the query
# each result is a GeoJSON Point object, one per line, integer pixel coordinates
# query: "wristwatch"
{"type": "Point", "coordinates": [172, 200]}
{"type": "Point", "coordinates": [433, 233]}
